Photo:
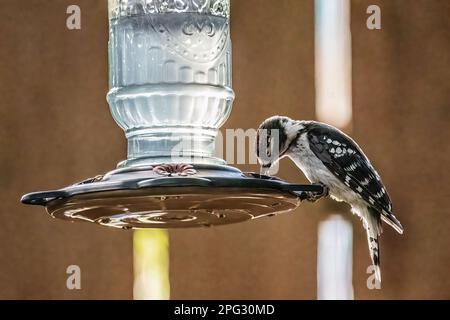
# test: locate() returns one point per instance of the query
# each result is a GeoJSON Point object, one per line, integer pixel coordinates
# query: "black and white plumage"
{"type": "Point", "coordinates": [329, 157]}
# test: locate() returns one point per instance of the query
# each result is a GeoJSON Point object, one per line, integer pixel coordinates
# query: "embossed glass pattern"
{"type": "Point", "coordinates": [132, 7]}
{"type": "Point", "coordinates": [170, 77]}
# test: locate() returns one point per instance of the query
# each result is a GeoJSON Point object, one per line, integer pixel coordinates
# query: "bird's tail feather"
{"type": "Point", "coordinates": [374, 249]}
{"type": "Point", "coordinates": [372, 224]}
{"type": "Point", "coordinates": [392, 220]}
{"type": "Point", "coordinates": [374, 230]}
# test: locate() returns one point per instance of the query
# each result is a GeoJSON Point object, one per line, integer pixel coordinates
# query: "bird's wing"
{"type": "Point", "coordinates": [343, 157]}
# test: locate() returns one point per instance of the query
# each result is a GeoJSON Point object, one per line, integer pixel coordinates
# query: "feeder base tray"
{"type": "Point", "coordinates": [174, 196]}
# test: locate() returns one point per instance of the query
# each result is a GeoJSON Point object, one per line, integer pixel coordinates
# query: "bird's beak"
{"type": "Point", "coordinates": [265, 169]}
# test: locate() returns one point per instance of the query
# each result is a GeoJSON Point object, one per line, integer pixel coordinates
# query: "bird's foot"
{"type": "Point", "coordinates": [314, 197]}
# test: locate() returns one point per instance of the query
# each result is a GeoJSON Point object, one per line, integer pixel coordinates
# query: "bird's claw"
{"type": "Point", "coordinates": [326, 190]}
{"type": "Point", "coordinates": [314, 197]}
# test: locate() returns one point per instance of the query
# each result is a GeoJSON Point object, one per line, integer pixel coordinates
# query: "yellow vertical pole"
{"type": "Point", "coordinates": [151, 265]}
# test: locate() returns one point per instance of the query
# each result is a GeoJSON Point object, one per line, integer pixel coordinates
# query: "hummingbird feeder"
{"type": "Point", "coordinates": [171, 91]}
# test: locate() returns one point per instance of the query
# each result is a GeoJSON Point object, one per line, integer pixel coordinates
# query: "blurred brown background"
{"type": "Point", "coordinates": [56, 129]}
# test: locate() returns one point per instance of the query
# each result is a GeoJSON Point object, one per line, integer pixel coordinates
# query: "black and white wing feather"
{"type": "Point", "coordinates": [343, 157]}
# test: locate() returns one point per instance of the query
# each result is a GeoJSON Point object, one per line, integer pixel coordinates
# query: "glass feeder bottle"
{"type": "Point", "coordinates": [170, 77]}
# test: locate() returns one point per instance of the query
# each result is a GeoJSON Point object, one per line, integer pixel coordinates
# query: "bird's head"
{"type": "Point", "coordinates": [274, 138]}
